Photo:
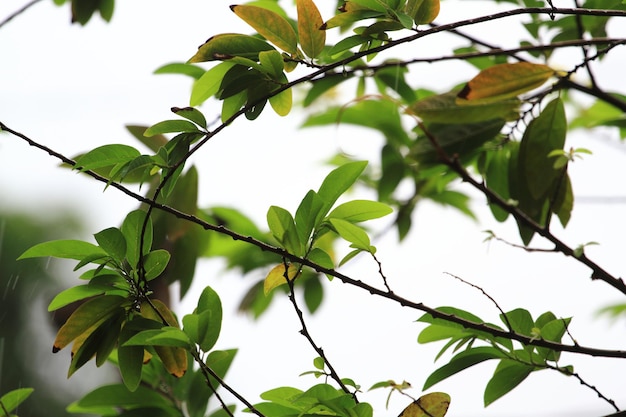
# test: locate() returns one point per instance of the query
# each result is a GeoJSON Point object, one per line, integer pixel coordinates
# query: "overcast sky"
{"type": "Point", "coordinates": [74, 88]}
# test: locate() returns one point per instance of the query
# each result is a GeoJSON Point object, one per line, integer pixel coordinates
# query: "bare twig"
{"type": "Point", "coordinates": [504, 316]}
{"type": "Point", "coordinates": [18, 12]}
{"type": "Point", "coordinates": [492, 236]}
{"type": "Point", "coordinates": [304, 331]}
{"type": "Point", "coordinates": [206, 370]}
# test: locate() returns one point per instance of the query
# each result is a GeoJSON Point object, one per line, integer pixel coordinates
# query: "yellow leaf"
{"type": "Point", "coordinates": [161, 312]}
{"type": "Point", "coordinates": [312, 37]}
{"type": "Point", "coordinates": [227, 45]}
{"type": "Point", "coordinates": [434, 404]}
{"type": "Point", "coordinates": [270, 25]}
{"type": "Point", "coordinates": [276, 277]}
{"type": "Point", "coordinates": [174, 358]}
{"type": "Point", "coordinates": [423, 11]}
{"type": "Point", "coordinates": [86, 318]}
{"type": "Point", "coordinates": [505, 81]}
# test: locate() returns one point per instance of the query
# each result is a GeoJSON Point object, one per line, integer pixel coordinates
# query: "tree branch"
{"type": "Point", "coordinates": [497, 332]}
{"type": "Point", "coordinates": [18, 12]}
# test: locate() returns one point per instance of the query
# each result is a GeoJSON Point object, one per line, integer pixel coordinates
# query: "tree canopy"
{"type": "Point", "coordinates": [491, 134]}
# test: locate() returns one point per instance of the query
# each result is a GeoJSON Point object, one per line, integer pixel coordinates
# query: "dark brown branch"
{"type": "Point", "coordinates": [597, 271]}
{"type": "Point", "coordinates": [18, 12]}
{"type": "Point", "coordinates": [304, 331]}
{"type": "Point", "coordinates": [206, 370]}
{"type": "Point", "coordinates": [343, 278]}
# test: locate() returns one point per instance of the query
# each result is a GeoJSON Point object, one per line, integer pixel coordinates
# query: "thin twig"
{"type": "Point", "coordinates": [18, 12]}
{"type": "Point", "coordinates": [581, 33]}
{"type": "Point", "coordinates": [492, 236]}
{"type": "Point", "coordinates": [304, 331]}
{"type": "Point", "coordinates": [206, 370]}
{"type": "Point", "coordinates": [381, 273]}
{"type": "Point", "coordinates": [502, 313]}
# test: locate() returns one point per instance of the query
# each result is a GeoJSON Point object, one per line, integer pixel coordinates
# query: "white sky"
{"type": "Point", "coordinates": [73, 88]}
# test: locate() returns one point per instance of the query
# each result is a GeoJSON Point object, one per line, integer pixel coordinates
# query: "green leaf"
{"type": "Point", "coordinates": [283, 228]}
{"type": "Point", "coordinates": [353, 234]}
{"type": "Point", "coordinates": [504, 81]}
{"type": "Point", "coordinates": [422, 11]}
{"type": "Point", "coordinates": [282, 102]}
{"type": "Point", "coordinates": [191, 114]}
{"type": "Point", "coordinates": [113, 242]}
{"type": "Point", "coordinates": [349, 17]}
{"type": "Point", "coordinates": [166, 336]}
{"type": "Point", "coordinates": [554, 330]}
{"type": "Point", "coordinates": [376, 5]}
{"type": "Point", "coordinates": [543, 135]}
{"type": "Point", "coordinates": [132, 230]}
{"type": "Point", "coordinates": [77, 293]}
{"type": "Point", "coordinates": [447, 108]}
{"type": "Point", "coordinates": [564, 202]}
{"type": "Point", "coordinates": [204, 325]}
{"type": "Point", "coordinates": [272, 63]}
{"type": "Point", "coordinates": [117, 395]}
{"type": "Point", "coordinates": [219, 361]}
{"type": "Point", "coordinates": [105, 156]}
{"type": "Point", "coordinates": [208, 83]}
{"type": "Point", "coordinates": [382, 115]}
{"type": "Point", "coordinates": [322, 85]}
{"type": "Point", "coordinates": [520, 320]}
{"type": "Point", "coordinates": [87, 315]}
{"type": "Point", "coordinates": [461, 361]}
{"type": "Point", "coordinates": [106, 9]}
{"type": "Point", "coordinates": [155, 262]}
{"type": "Point", "coordinates": [507, 376]}
{"type": "Point", "coordinates": [194, 71]}
{"type": "Point", "coordinates": [66, 249]}
{"type": "Point", "coordinates": [154, 142]}
{"type": "Point", "coordinates": [313, 293]}
{"type": "Point", "coordinates": [312, 38]}
{"type": "Point", "coordinates": [12, 399]}
{"type": "Point", "coordinates": [360, 210]}
{"type": "Point", "coordinates": [337, 182]}
{"type": "Point", "coordinates": [321, 257]}
{"type": "Point", "coordinates": [171, 126]}
{"type": "Point", "coordinates": [497, 179]}
{"type": "Point", "coordinates": [394, 79]}
{"type": "Point", "coordinates": [461, 140]}
{"type": "Point", "coordinates": [308, 215]}
{"type": "Point", "coordinates": [227, 45]}
{"type": "Point", "coordinates": [270, 25]}
{"type": "Point", "coordinates": [130, 359]}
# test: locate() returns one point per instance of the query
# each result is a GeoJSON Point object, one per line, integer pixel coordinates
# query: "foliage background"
{"type": "Point", "coordinates": [74, 88]}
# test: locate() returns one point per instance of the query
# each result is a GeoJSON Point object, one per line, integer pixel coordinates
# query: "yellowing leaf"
{"type": "Point", "coordinates": [423, 11]}
{"type": "Point", "coordinates": [282, 102]}
{"type": "Point", "coordinates": [446, 108]}
{"type": "Point", "coordinates": [161, 312]}
{"type": "Point", "coordinates": [270, 25]}
{"type": "Point", "coordinates": [86, 317]}
{"type": "Point", "coordinates": [276, 277]}
{"type": "Point", "coordinates": [434, 404]}
{"type": "Point", "coordinates": [227, 45]}
{"type": "Point", "coordinates": [312, 38]}
{"type": "Point", "coordinates": [505, 81]}
{"type": "Point", "coordinates": [174, 358]}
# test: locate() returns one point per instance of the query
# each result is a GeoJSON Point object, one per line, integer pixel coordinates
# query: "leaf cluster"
{"type": "Point", "coordinates": [473, 347]}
